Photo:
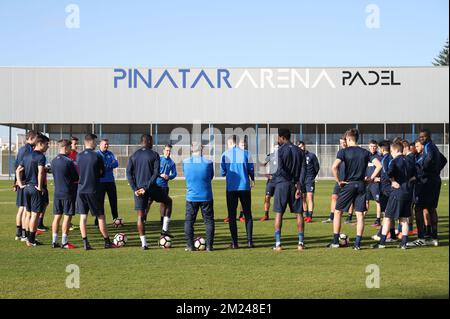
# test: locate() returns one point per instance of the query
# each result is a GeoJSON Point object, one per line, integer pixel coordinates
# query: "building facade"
{"type": "Point", "coordinates": [177, 105]}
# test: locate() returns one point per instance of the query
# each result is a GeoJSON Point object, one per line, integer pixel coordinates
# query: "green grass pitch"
{"type": "Point", "coordinates": [129, 272]}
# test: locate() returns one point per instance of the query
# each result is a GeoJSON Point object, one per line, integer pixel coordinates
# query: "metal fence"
{"type": "Point", "coordinates": [325, 153]}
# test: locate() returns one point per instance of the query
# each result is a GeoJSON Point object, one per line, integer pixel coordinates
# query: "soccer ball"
{"type": "Point", "coordinates": [120, 239]}
{"type": "Point", "coordinates": [343, 240]}
{"type": "Point", "coordinates": [165, 242]}
{"type": "Point", "coordinates": [48, 168]}
{"type": "Point", "coordinates": [118, 222]}
{"type": "Point", "coordinates": [200, 243]}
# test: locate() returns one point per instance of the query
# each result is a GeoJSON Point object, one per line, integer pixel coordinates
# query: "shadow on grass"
{"type": "Point", "coordinates": [222, 235]}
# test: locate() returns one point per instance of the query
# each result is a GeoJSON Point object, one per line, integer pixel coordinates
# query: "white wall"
{"type": "Point", "coordinates": [87, 95]}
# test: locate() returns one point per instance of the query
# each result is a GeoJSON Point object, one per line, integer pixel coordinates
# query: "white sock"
{"type": "Point", "coordinates": [143, 240]}
{"type": "Point", "coordinates": [54, 238]}
{"type": "Point", "coordinates": [278, 243]}
{"type": "Point", "coordinates": [65, 239]}
{"type": "Point", "coordinates": [166, 221]}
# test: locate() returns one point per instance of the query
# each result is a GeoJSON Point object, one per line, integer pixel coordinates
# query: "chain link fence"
{"type": "Point", "coordinates": [325, 153]}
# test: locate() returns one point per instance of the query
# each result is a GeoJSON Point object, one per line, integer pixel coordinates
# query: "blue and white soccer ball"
{"type": "Point", "coordinates": [120, 239]}
{"type": "Point", "coordinates": [343, 240]}
{"type": "Point", "coordinates": [200, 243]}
{"type": "Point", "coordinates": [165, 242]}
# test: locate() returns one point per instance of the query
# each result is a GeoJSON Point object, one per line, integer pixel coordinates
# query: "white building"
{"type": "Point", "coordinates": [317, 104]}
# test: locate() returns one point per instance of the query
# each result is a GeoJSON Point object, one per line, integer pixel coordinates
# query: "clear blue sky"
{"type": "Point", "coordinates": [229, 33]}
{"type": "Point", "coordinates": [222, 33]}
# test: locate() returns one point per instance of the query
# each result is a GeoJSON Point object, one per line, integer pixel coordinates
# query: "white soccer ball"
{"type": "Point", "coordinates": [343, 240]}
{"type": "Point", "coordinates": [120, 239]}
{"type": "Point", "coordinates": [165, 242]}
{"type": "Point", "coordinates": [200, 243]}
{"type": "Point", "coordinates": [118, 222]}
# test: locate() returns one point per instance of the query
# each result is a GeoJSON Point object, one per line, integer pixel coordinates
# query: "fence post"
{"type": "Point", "coordinates": [10, 153]}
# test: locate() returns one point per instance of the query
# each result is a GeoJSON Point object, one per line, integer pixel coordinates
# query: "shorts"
{"type": "Point", "coordinates": [156, 193]}
{"type": "Point", "coordinates": [352, 193]}
{"type": "Point", "coordinates": [336, 189]}
{"type": "Point", "coordinates": [284, 196]}
{"type": "Point", "coordinates": [373, 192]}
{"type": "Point", "coordinates": [310, 186]}
{"type": "Point", "coordinates": [383, 201]}
{"type": "Point", "coordinates": [427, 195]}
{"type": "Point", "coordinates": [270, 188]}
{"type": "Point", "coordinates": [64, 206]}
{"type": "Point", "coordinates": [20, 197]}
{"type": "Point", "coordinates": [86, 202]}
{"type": "Point", "coordinates": [45, 197]}
{"type": "Point", "coordinates": [33, 199]}
{"type": "Point", "coordinates": [397, 208]}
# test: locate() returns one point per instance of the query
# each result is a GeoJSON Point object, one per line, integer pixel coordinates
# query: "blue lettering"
{"type": "Point", "coordinates": [166, 74]}
{"type": "Point", "coordinates": [121, 77]}
{"type": "Point", "coordinates": [147, 82]}
{"type": "Point", "coordinates": [183, 72]}
{"type": "Point", "coordinates": [224, 77]}
{"type": "Point", "coordinates": [199, 76]}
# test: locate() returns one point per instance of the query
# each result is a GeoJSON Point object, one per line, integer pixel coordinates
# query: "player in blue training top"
{"type": "Point", "coordinates": [237, 167]}
{"type": "Point", "coordinates": [353, 189]}
{"type": "Point", "coordinates": [401, 175]}
{"type": "Point", "coordinates": [91, 168]}
{"type": "Point", "coordinates": [32, 182]}
{"type": "Point", "coordinates": [142, 172]}
{"type": "Point", "coordinates": [309, 187]}
{"type": "Point", "coordinates": [199, 173]}
{"type": "Point", "coordinates": [373, 188]}
{"type": "Point", "coordinates": [65, 176]}
{"type": "Point", "coordinates": [108, 182]}
{"type": "Point", "coordinates": [167, 172]}
{"type": "Point", "coordinates": [21, 219]}
{"type": "Point", "coordinates": [288, 179]}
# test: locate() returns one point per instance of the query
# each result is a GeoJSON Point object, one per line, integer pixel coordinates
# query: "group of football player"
{"type": "Point", "coordinates": [402, 178]}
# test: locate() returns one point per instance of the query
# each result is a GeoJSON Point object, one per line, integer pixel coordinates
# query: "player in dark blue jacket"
{"type": "Point", "coordinates": [401, 175]}
{"type": "Point", "coordinates": [288, 180]}
{"type": "Point", "coordinates": [429, 165]}
{"type": "Point", "coordinates": [373, 188]}
{"type": "Point", "coordinates": [309, 187]}
{"type": "Point", "coordinates": [64, 177]}
{"type": "Point", "coordinates": [271, 167]}
{"type": "Point", "coordinates": [142, 171]}
{"type": "Point", "coordinates": [385, 185]}
{"type": "Point", "coordinates": [409, 150]}
{"type": "Point", "coordinates": [353, 189]}
{"type": "Point", "coordinates": [32, 182]}
{"type": "Point", "coordinates": [418, 210]}
{"type": "Point", "coordinates": [238, 169]}
{"type": "Point", "coordinates": [91, 169]}
{"type": "Point", "coordinates": [337, 188]}
{"type": "Point", "coordinates": [20, 203]}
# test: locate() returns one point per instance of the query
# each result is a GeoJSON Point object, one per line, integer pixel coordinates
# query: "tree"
{"type": "Point", "coordinates": [442, 58]}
